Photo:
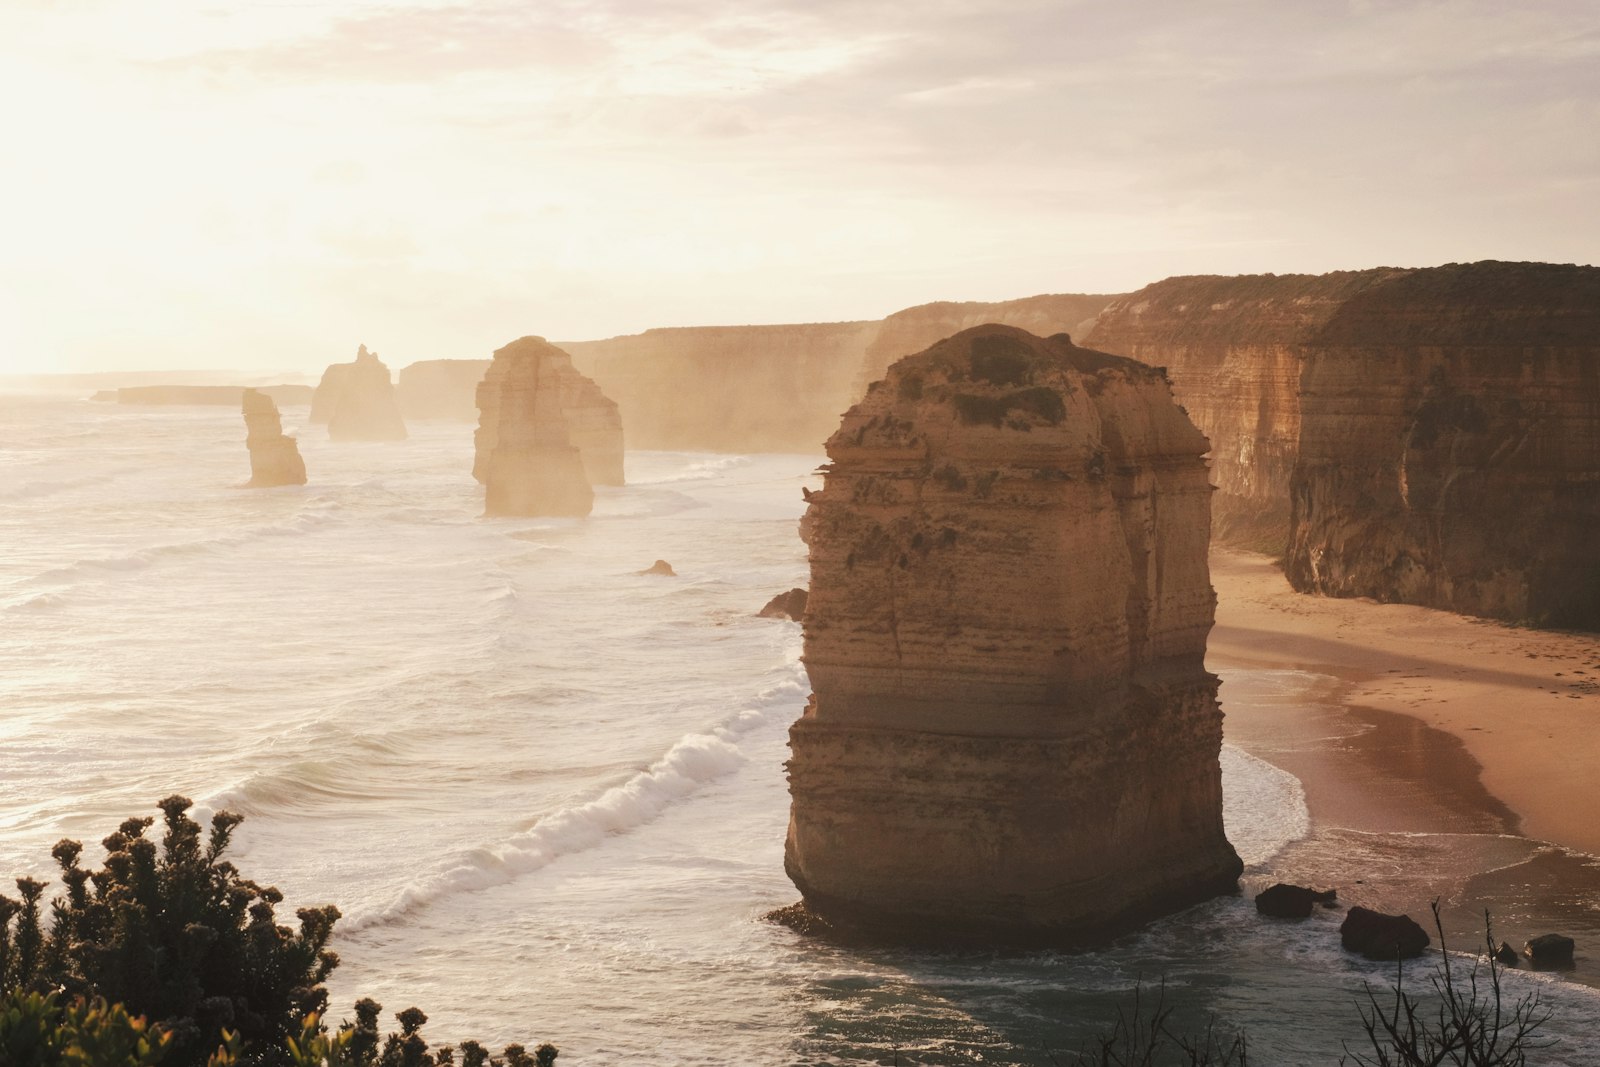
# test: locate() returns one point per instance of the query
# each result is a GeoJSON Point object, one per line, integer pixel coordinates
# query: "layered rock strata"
{"type": "Point", "coordinates": [357, 401]}
{"type": "Point", "coordinates": [1426, 436]}
{"type": "Point", "coordinates": [525, 456]}
{"type": "Point", "coordinates": [593, 420]}
{"type": "Point", "coordinates": [1012, 735]}
{"type": "Point", "coordinates": [274, 456]}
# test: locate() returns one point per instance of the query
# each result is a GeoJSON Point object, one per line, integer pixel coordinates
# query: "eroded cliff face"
{"type": "Point", "coordinates": [274, 456]}
{"type": "Point", "coordinates": [525, 456]}
{"type": "Point", "coordinates": [1428, 436]}
{"type": "Point", "coordinates": [593, 420]}
{"type": "Point", "coordinates": [1012, 735]}
{"type": "Point", "coordinates": [440, 389]}
{"type": "Point", "coordinates": [357, 401]}
{"type": "Point", "coordinates": [781, 388]}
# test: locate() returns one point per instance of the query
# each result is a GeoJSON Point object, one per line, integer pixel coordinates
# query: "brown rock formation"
{"type": "Point", "coordinates": [593, 422]}
{"type": "Point", "coordinates": [781, 388]}
{"type": "Point", "coordinates": [1012, 734]}
{"type": "Point", "coordinates": [274, 457]}
{"type": "Point", "coordinates": [357, 401]}
{"type": "Point", "coordinates": [1428, 436]}
{"type": "Point", "coordinates": [441, 389]}
{"type": "Point", "coordinates": [525, 456]}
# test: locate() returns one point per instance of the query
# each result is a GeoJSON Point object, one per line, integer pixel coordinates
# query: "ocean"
{"type": "Point", "coordinates": [545, 790]}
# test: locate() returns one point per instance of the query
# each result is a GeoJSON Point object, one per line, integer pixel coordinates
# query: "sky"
{"type": "Point", "coordinates": [267, 184]}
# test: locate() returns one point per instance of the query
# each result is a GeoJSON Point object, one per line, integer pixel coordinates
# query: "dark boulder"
{"type": "Point", "coordinates": [790, 605]}
{"type": "Point", "coordinates": [1382, 937]}
{"type": "Point", "coordinates": [1549, 950]}
{"type": "Point", "coordinates": [1284, 901]}
{"type": "Point", "coordinates": [1506, 954]}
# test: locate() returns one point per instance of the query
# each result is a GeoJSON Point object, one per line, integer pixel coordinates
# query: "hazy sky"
{"type": "Point", "coordinates": [268, 183]}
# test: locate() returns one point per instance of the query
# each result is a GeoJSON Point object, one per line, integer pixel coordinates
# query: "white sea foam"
{"type": "Point", "coordinates": [1263, 807]}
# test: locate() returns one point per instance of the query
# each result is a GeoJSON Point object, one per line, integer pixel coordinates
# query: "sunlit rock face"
{"type": "Point", "coordinates": [274, 457]}
{"type": "Point", "coordinates": [594, 424]}
{"type": "Point", "coordinates": [525, 457]}
{"type": "Point", "coordinates": [1426, 436]}
{"type": "Point", "coordinates": [1012, 735]}
{"type": "Point", "coordinates": [357, 400]}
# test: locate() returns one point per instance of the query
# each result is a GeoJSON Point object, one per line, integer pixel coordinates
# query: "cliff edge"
{"type": "Point", "coordinates": [1012, 735]}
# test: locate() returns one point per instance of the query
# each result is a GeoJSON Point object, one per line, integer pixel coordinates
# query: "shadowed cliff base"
{"type": "Point", "coordinates": [1424, 436]}
{"type": "Point", "coordinates": [1011, 732]}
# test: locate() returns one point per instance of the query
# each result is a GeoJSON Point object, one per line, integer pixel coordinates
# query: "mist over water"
{"type": "Point", "coordinates": [546, 791]}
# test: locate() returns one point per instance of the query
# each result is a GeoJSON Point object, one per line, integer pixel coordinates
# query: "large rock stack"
{"type": "Point", "coordinates": [274, 457]}
{"type": "Point", "coordinates": [357, 401]}
{"type": "Point", "coordinates": [1012, 734]}
{"type": "Point", "coordinates": [1429, 436]}
{"type": "Point", "coordinates": [525, 456]}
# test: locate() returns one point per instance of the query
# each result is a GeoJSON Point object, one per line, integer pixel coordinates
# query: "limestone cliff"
{"type": "Point", "coordinates": [441, 389]}
{"type": "Point", "coordinates": [274, 457]}
{"type": "Point", "coordinates": [357, 401]}
{"type": "Point", "coordinates": [781, 388]}
{"type": "Point", "coordinates": [1429, 436]}
{"type": "Point", "coordinates": [1012, 735]}
{"type": "Point", "coordinates": [593, 421]}
{"type": "Point", "coordinates": [525, 455]}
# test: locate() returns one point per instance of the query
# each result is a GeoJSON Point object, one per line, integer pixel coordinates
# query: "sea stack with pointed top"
{"type": "Point", "coordinates": [357, 401]}
{"type": "Point", "coordinates": [1012, 737]}
{"type": "Point", "coordinates": [525, 458]}
{"type": "Point", "coordinates": [274, 456]}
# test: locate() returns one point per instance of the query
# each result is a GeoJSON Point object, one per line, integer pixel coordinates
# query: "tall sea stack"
{"type": "Point", "coordinates": [357, 401]}
{"type": "Point", "coordinates": [1012, 735]}
{"type": "Point", "coordinates": [274, 457]}
{"type": "Point", "coordinates": [525, 456]}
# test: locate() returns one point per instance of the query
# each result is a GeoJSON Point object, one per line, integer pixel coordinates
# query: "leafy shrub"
{"type": "Point", "coordinates": [174, 934]}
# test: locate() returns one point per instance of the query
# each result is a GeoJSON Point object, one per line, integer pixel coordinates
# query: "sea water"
{"type": "Point", "coordinates": [545, 790]}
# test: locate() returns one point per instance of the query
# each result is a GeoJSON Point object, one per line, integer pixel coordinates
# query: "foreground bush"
{"type": "Point", "coordinates": [176, 936]}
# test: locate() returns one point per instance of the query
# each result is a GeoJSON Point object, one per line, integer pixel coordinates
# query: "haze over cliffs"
{"type": "Point", "coordinates": [1429, 436]}
{"type": "Point", "coordinates": [525, 455]}
{"type": "Point", "coordinates": [780, 388]}
{"type": "Point", "coordinates": [1012, 734]}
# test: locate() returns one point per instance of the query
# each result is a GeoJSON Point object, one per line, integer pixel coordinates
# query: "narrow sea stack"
{"type": "Point", "coordinates": [525, 456]}
{"type": "Point", "coordinates": [1012, 736]}
{"type": "Point", "coordinates": [1425, 436]}
{"type": "Point", "coordinates": [274, 456]}
{"type": "Point", "coordinates": [357, 401]}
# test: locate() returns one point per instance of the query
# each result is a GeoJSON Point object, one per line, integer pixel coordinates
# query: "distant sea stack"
{"type": "Point", "coordinates": [593, 421]}
{"type": "Point", "coordinates": [525, 457]}
{"type": "Point", "coordinates": [274, 457]}
{"type": "Point", "coordinates": [1425, 436]}
{"type": "Point", "coordinates": [781, 388]}
{"type": "Point", "coordinates": [1012, 736]}
{"type": "Point", "coordinates": [357, 401]}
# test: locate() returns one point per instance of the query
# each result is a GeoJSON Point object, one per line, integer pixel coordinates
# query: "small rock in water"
{"type": "Point", "coordinates": [1284, 901]}
{"type": "Point", "coordinates": [1549, 950]}
{"type": "Point", "coordinates": [790, 605]}
{"type": "Point", "coordinates": [661, 567]}
{"type": "Point", "coordinates": [1506, 954]}
{"type": "Point", "coordinates": [1382, 937]}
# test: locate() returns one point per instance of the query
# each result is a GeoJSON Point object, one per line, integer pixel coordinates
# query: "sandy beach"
{"type": "Point", "coordinates": [1524, 704]}
{"type": "Point", "coordinates": [1442, 757]}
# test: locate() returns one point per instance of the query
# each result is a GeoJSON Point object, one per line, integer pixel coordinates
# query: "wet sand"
{"type": "Point", "coordinates": [1441, 757]}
